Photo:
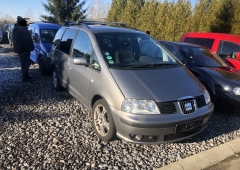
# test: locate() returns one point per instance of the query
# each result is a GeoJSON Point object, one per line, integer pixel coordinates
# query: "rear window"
{"type": "Point", "coordinates": [206, 42]}
{"type": "Point", "coordinates": [47, 35]}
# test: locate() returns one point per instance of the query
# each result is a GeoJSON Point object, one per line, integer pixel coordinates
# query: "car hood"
{"type": "Point", "coordinates": [222, 75]}
{"type": "Point", "coordinates": [167, 84]}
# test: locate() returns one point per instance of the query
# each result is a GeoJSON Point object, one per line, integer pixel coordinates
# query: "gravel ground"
{"type": "Point", "coordinates": [44, 129]}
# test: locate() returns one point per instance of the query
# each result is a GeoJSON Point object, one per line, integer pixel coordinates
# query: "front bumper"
{"type": "Point", "coordinates": [228, 103]}
{"type": "Point", "coordinates": [154, 129]}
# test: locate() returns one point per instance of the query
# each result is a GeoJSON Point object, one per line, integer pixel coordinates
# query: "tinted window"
{"type": "Point", "coordinates": [47, 35]}
{"type": "Point", "coordinates": [82, 46]}
{"type": "Point", "coordinates": [174, 50]}
{"type": "Point", "coordinates": [132, 50]}
{"type": "Point", "coordinates": [58, 36]}
{"type": "Point", "coordinates": [206, 42]}
{"type": "Point", "coordinates": [36, 33]}
{"type": "Point", "coordinates": [202, 57]}
{"type": "Point", "coordinates": [228, 48]}
{"type": "Point", "coordinates": [66, 41]}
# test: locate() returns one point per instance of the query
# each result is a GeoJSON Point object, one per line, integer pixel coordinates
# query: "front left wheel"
{"type": "Point", "coordinates": [103, 121]}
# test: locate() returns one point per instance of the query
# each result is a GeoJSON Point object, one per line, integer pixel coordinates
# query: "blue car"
{"type": "Point", "coordinates": [42, 34]}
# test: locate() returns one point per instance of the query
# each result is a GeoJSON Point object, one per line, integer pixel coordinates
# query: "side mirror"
{"type": "Point", "coordinates": [238, 55]}
{"type": "Point", "coordinates": [80, 61]}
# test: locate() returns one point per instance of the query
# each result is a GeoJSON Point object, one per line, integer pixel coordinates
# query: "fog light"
{"type": "Point", "coordinates": [205, 120]}
{"type": "Point", "coordinates": [132, 136]}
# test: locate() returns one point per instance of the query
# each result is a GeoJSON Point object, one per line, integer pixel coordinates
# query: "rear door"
{"type": "Point", "coordinates": [63, 55]}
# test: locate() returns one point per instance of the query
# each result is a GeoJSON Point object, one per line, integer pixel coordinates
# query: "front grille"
{"type": "Point", "coordinates": [200, 101]}
{"type": "Point", "coordinates": [183, 105]}
{"type": "Point", "coordinates": [167, 107]}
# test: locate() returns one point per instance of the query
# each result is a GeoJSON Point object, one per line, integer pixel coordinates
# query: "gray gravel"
{"type": "Point", "coordinates": [44, 129]}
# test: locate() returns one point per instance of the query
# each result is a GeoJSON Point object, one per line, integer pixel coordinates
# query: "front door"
{"type": "Point", "coordinates": [79, 75]}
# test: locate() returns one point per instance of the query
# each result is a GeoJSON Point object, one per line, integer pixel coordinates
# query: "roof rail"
{"type": "Point", "coordinates": [96, 22]}
{"type": "Point", "coordinates": [69, 23]}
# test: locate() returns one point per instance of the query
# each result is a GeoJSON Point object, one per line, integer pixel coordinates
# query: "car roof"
{"type": "Point", "coordinates": [43, 25]}
{"type": "Point", "coordinates": [212, 35]}
{"type": "Point", "coordinates": [112, 29]}
{"type": "Point", "coordinates": [181, 44]}
{"type": "Point", "coordinates": [102, 26]}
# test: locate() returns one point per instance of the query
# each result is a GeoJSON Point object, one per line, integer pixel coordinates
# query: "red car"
{"type": "Point", "coordinates": [226, 46]}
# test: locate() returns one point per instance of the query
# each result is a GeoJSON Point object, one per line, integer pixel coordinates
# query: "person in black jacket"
{"type": "Point", "coordinates": [23, 45]}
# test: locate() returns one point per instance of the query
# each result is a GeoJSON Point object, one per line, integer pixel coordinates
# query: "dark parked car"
{"type": "Point", "coordinates": [42, 34]}
{"type": "Point", "coordinates": [226, 46]}
{"type": "Point", "coordinates": [221, 80]}
{"type": "Point", "coordinates": [130, 90]}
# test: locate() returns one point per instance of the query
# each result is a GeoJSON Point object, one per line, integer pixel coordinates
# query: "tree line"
{"type": "Point", "coordinates": [166, 20]}
{"type": "Point", "coordinates": [169, 20]}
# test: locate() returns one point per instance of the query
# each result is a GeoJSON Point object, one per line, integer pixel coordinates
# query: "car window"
{"type": "Point", "coordinates": [95, 63]}
{"type": "Point", "coordinates": [47, 35]}
{"type": "Point", "coordinates": [66, 41]}
{"type": "Point", "coordinates": [36, 33]}
{"type": "Point", "coordinates": [206, 42]}
{"type": "Point", "coordinates": [132, 50]}
{"type": "Point", "coordinates": [174, 50]}
{"type": "Point", "coordinates": [228, 48]}
{"type": "Point", "coordinates": [82, 46]}
{"type": "Point", "coordinates": [58, 37]}
{"type": "Point", "coordinates": [203, 57]}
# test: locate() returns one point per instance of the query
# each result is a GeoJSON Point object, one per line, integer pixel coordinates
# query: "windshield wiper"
{"type": "Point", "coordinates": [150, 65]}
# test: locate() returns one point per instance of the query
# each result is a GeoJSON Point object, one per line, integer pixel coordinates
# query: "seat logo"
{"type": "Point", "coordinates": [188, 106]}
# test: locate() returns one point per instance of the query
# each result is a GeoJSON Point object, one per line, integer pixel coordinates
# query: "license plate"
{"type": "Point", "coordinates": [189, 126]}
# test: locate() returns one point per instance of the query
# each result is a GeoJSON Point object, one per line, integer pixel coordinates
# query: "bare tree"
{"type": "Point", "coordinates": [29, 14]}
{"type": "Point", "coordinates": [98, 9]}
{"type": "Point", "coordinates": [5, 18]}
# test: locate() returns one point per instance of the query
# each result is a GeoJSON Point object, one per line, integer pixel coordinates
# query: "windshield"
{"type": "Point", "coordinates": [203, 57]}
{"type": "Point", "coordinates": [47, 35]}
{"type": "Point", "coordinates": [133, 50]}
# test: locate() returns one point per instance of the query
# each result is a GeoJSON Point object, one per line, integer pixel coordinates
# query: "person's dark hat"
{"type": "Point", "coordinates": [19, 18]}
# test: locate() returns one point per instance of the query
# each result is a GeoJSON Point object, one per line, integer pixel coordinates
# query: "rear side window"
{"type": "Point", "coordinates": [58, 36]}
{"type": "Point", "coordinates": [66, 40]}
{"type": "Point", "coordinates": [205, 42]}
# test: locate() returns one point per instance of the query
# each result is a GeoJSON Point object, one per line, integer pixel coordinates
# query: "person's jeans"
{"type": "Point", "coordinates": [25, 64]}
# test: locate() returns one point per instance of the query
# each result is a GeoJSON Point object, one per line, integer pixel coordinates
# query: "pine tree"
{"type": "Point", "coordinates": [61, 10]}
{"type": "Point", "coordinates": [116, 10]}
{"type": "Point", "coordinates": [236, 18]}
{"type": "Point", "coordinates": [146, 17]}
{"type": "Point", "coordinates": [131, 12]}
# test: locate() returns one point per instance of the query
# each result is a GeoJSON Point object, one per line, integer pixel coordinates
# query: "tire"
{"type": "Point", "coordinates": [56, 82]}
{"type": "Point", "coordinates": [44, 66]}
{"type": "Point", "coordinates": [103, 122]}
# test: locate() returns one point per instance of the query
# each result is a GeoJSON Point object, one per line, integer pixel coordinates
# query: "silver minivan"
{"type": "Point", "coordinates": [133, 86]}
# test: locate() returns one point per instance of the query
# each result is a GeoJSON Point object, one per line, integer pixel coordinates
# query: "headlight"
{"type": "Point", "coordinates": [207, 96]}
{"type": "Point", "coordinates": [236, 90]}
{"type": "Point", "coordinates": [140, 106]}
